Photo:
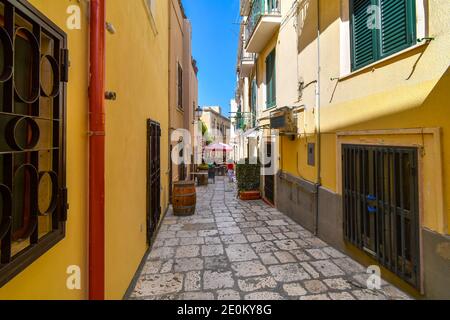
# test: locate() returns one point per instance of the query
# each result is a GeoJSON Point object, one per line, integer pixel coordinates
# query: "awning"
{"type": "Point", "coordinates": [219, 147]}
{"type": "Point", "coordinates": [252, 133]}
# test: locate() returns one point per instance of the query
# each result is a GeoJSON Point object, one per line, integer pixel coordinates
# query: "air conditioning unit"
{"type": "Point", "coordinates": [284, 120]}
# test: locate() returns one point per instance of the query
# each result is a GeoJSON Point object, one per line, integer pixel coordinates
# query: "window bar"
{"type": "Point", "coordinates": [413, 217]}
{"type": "Point", "coordinates": [377, 207]}
{"type": "Point", "coordinates": [358, 195]}
{"type": "Point", "coordinates": [352, 190]}
{"type": "Point", "coordinates": [35, 108]}
{"type": "Point", "coordinates": [365, 192]}
{"type": "Point", "coordinates": [389, 207]}
{"type": "Point", "coordinates": [395, 213]}
{"type": "Point", "coordinates": [6, 240]}
{"type": "Point", "coordinates": [380, 211]}
{"type": "Point", "coordinates": [383, 202]}
{"type": "Point", "coordinates": [8, 104]}
{"type": "Point", "coordinates": [347, 164]}
{"type": "Point", "coordinates": [355, 196]}
{"type": "Point", "coordinates": [402, 214]}
{"type": "Point", "coordinates": [345, 191]}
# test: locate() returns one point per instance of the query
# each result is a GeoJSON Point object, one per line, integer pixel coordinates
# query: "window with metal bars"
{"type": "Point", "coordinates": [33, 194]}
{"type": "Point", "coordinates": [381, 209]}
{"type": "Point", "coordinates": [380, 28]}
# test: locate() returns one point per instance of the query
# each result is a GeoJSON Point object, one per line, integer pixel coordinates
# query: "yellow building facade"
{"type": "Point", "coordinates": [137, 77]}
{"type": "Point", "coordinates": [358, 126]}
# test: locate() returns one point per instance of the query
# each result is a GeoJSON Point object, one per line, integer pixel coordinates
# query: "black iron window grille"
{"type": "Point", "coordinates": [180, 87]}
{"type": "Point", "coordinates": [381, 206]}
{"type": "Point", "coordinates": [33, 196]}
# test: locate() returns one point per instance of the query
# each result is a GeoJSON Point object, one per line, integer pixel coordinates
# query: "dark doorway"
{"type": "Point", "coordinates": [381, 209]}
{"type": "Point", "coordinates": [269, 177]}
{"type": "Point", "coordinates": [153, 177]}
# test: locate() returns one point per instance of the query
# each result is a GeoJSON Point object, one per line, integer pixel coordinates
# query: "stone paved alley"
{"type": "Point", "coordinates": [233, 249]}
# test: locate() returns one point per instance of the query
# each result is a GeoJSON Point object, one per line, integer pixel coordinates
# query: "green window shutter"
{"type": "Point", "coordinates": [362, 37]}
{"type": "Point", "coordinates": [271, 80]}
{"type": "Point", "coordinates": [397, 19]}
{"type": "Point", "coordinates": [398, 26]}
{"type": "Point", "coordinates": [253, 102]}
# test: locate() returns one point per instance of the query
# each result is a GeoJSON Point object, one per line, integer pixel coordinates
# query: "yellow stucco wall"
{"type": "Point", "coordinates": [46, 277]}
{"type": "Point", "coordinates": [137, 69]}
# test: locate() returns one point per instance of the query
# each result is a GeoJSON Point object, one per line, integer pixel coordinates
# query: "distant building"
{"type": "Point", "coordinates": [183, 87]}
{"type": "Point", "coordinates": [218, 124]}
{"type": "Point", "coordinates": [234, 138]}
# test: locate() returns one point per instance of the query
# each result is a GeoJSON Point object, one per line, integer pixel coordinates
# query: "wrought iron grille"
{"type": "Point", "coordinates": [381, 210]}
{"type": "Point", "coordinates": [153, 178]}
{"type": "Point", "coordinates": [33, 72]}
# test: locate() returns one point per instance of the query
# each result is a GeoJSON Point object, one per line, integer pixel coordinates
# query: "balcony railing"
{"type": "Point", "coordinates": [259, 9]}
{"type": "Point", "coordinates": [247, 56]}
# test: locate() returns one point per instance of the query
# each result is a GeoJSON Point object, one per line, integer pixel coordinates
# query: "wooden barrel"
{"type": "Point", "coordinates": [184, 198]}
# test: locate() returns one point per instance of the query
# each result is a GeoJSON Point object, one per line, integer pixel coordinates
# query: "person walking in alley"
{"type": "Point", "coordinates": [230, 167]}
{"type": "Point", "coordinates": [212, 172]}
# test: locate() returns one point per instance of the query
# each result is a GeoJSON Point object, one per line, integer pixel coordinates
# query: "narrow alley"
{"type": "Point", "coordinates": [232, 250]}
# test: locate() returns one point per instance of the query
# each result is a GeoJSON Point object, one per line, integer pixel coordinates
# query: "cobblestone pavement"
{"type": "Point", "coordinates": [233, 249]}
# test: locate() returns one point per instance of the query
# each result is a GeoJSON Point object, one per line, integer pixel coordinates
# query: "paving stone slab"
{"type": "Point", "coordinates": [264, 247]}
{"type": "Point", "coordinates": [196, 296]}
{"type": "Point", "coordinates": [213, 280]}
{"type": "Point", "coordinates": [228, 295]}
{"type": "Point", "coordinates": [240, 252]}
{"type": "Point", "coordinates": [187, 251]}
{"type": "Point", "coordinates": [285, 257]}
{"type": "Point", "coordinates": [234, 239]}
{"type": "Point", "coordinates": [257, 283]}
{"type": "Point", "coordinates": [192, 281]}
{"type": "Point", "coordinates": [286, 245]}
{"type": "Point", "coordinates": [288, 272]}
{"type": "Point", "coordinates": [327, 268]}
{"type": "Point", "coordinates": [268, 258]}
{"type": "Point", "coordinates": [341, 296]}
{"type": "Point", "coordinates": [265, 296]}
{"type": "Point", "coordinates": [338, 284]}
{"type": "Point", "coordinates": [188, 264]}
{"type": "Point", "coordinates": [294, 289]}
{"type": "Point", "coordinates": [159, 284]}
{"type": "Point", "coordinates": [212, 250]}
{"type": "Point", "coordinates": [315, 286]}
{"type": "Point", "coordinates": [249, 269]}
{"type": "Point", "coordinates": [318, 297]}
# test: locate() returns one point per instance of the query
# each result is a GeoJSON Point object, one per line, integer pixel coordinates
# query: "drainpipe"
{"type": "Point", "coordinates": [97, 151]}
{"type": "Point", "coordinates": [318, 128]}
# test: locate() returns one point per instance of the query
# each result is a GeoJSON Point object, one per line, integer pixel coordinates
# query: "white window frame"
{"type": "Point", "coordinates": [150, 6]}
{"type": "Point", "coordinates": [345, 42]}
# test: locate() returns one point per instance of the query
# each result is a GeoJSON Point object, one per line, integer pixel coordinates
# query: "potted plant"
{"type": "Point", "coordinates": [203, 179]}
{"type": "Point", "coordinates": [248, 177]}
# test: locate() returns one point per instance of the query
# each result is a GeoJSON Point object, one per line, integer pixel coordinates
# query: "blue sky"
{"type": "Point", "coordinates": [215, 35]}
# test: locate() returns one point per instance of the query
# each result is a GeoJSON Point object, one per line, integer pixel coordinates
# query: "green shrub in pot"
{"type": "Point", "coordinates": [248, 177]}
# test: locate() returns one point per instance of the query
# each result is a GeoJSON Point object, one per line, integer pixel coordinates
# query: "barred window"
{"type": "Point", "coordinates": [33, 196]}
{"type": "Point", "coordinates": [180, 87]}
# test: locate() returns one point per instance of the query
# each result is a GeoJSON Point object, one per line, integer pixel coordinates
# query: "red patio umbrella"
{"type": "Point", "coordinates": [219, 147]}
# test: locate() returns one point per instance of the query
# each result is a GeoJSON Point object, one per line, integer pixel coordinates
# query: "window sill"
{"type": "Point", "coordinates": [378, 62]}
